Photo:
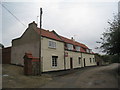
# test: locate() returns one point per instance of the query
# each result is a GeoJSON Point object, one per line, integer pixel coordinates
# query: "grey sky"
{"type": "Point", "coordinates": [83, 19]}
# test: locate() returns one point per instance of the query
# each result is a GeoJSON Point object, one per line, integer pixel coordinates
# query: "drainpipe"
{"type": "Point", "coordinates": [64, 58]}
{"type": "Point", "coordinates": [81, 60]}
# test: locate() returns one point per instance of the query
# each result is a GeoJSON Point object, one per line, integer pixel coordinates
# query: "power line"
{"type": "Point", "coordinates": [13, 15]}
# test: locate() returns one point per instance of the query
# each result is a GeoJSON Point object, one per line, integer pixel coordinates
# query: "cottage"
{"type": "Point", "coordinates": [57, 52]}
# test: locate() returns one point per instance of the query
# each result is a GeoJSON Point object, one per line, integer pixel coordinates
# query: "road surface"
{"type": "Point", "coordinates": [92, 77]}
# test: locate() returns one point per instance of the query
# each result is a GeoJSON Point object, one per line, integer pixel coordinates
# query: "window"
{"type": "Point", "coordinates": [52, 44]}
{"type": "Point", "coordinates": [70, 46]}
{"type": "Point", "coordinates": [90, 60]}
{"type": "Point", "coordinates": [93, 60]}
{"type": "Point", "coordinates": [54, 61]}
{"type": "Point", "coordinates": [79, 58]}
{"type": "Point", "coordinates": [87, 50]}
{"type": "Point", "coordinates": [90, 50]}
{"type": "Point", "coordinates": [77, 48]}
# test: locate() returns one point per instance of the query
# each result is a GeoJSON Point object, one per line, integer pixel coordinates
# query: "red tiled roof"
{"type": "Point", "coordinates": [82, 50]}
{"type": "Point", "coordinates": [73, 42]}
{"type": "Point", "coordinates": [49, 34]}
{"type": "Point", "coordinates": [52, 35]}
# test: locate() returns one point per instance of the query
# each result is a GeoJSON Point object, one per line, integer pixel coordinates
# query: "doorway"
{"type": "Point", "coordinates": [84, 62]}
{"type": "Point", "coordinates": [71, 63]}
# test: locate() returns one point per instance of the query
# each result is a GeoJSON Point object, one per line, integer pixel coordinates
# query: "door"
{"type": "Point", "coordinates": [98, 64]}
{"type": "Point", "coordinates": [84, 62]}
{"type": "Point", "coordinates": [71, 63]}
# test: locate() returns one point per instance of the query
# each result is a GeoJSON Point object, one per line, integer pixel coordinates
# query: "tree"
{"type": "Point", "coordinates": [1, 45]}
{"type": "Point", "coordinates": [110, 40]}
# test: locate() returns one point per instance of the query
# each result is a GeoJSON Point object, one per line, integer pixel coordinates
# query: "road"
{"type": "Point", "coordinates": [92, 77]}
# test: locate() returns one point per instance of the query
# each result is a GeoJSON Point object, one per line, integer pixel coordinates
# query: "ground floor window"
{"type": "Point", "coordinates": [54, 61]}
{"type": "Point", "coordinates": [93, 60]}
{"type": "Point", "coordinates": [90, 60]}
{"type": "Point", "coordinates": [79, 58]}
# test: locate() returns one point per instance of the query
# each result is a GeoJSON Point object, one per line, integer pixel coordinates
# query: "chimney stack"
{"type": "Point", "coordinates": [72, 39]}
{"type": "Point", "coordinates": [33, 25]}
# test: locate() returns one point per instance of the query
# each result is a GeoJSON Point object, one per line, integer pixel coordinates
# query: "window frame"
{"type": "Point", "coordinates": [54, 61]}
{"type": "Point", "coordinates": [79, 60]}
{"type": "Point", "coordinates": [76, 48]}
{"type": "Point", "coordinates": [52, 44]}
{"type": "Point", "coordinates": [70, 47]}
{"type": "Point", "coordinates": [90, 60]}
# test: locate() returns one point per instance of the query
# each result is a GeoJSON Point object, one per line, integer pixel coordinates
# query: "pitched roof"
{"type": "Point", "coordinates": [49, 34]}
{"type": "Point", "coordinates": [55, 36]}
{"type": "Point", "coordinates": [73, 42]}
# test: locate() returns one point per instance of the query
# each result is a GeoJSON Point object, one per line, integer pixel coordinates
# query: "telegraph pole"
{"type": "Point", "coordinates": [40, 70]}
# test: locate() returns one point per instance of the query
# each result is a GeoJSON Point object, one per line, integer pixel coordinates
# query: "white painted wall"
{"type": "Point", "coordinates": [48, 52]}
{"type": "Point", "coordinates": [87, 59]}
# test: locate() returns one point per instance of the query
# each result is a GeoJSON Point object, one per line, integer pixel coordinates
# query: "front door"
{"type": "Point", "coordinates": [71, 63]}
{"type": "Point", "coordinates": [84, 62]}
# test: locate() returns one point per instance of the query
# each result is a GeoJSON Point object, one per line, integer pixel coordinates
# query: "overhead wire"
{"type": "Point", "coordinates": [13, 15]}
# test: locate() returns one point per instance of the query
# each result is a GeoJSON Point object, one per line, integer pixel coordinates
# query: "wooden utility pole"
{"type": "Point", "coordinates": [40, 69]}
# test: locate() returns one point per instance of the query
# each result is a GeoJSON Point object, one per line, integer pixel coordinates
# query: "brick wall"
{"type": "Point", "coordinates": [6, 55]}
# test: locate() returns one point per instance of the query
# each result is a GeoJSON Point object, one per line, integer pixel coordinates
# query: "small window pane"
{"type": "Point", "coordinates": [54, 61]}
{"type": "Point", "coordinates": [52, 44]}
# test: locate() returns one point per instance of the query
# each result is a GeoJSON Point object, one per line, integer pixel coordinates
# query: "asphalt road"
{"type": "Point", "coordinates": [93, 77]}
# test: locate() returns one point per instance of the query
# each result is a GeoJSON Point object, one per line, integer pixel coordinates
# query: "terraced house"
{"type": "Point", "coordinates": [57, 52]}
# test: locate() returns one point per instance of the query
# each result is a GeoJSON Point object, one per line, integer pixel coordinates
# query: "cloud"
{"type": "Point", "coordinates": [86, 20]}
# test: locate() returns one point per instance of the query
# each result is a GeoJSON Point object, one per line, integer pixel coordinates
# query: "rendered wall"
{"type": "Point", "coordinates": [87, 59]}
{"type": "Point", "coordinates": [27, 43]}
{"type": "Point", "coordinates": [75, 56]}
{"type": "Point", "coordinates": [48, 52]}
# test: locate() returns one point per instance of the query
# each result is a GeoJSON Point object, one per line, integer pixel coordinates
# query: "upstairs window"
{"type": "Point", "coordinates": [70, 46]}
{"type": "Point", "coordinates": [87, 50]}
{"type": "Point", "coordinates": [52, 44]}
{"type": "Point", "coordinates": [90, 50]}
{"type": "Point", "coordinates": [77, 48]}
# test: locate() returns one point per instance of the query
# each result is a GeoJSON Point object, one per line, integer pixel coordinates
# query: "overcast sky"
{"type": "Point", "coordinates": [85, 20]}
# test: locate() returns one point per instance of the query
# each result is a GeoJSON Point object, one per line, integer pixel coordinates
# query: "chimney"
{"type": "Point", "coordinates": [72, 39]}
{"type": "Point", "coordinates": [33, 25]}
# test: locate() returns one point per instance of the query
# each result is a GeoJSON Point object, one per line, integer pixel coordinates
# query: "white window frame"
{"type": "Point", "coordinates": [52, 44]}
{"type": "Point", "coordinates": [87, 50]}
{"type": "Point", "coordinates": [90, 50]}
{"type": "Point", "coordinates": [77, 48]}
{"type": "Point", "coordinates": [54, 61]}
{"type": "Point", "coordinates": [69, 46]}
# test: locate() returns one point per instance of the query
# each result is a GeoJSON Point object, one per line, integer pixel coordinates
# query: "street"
{"type": "Point", "coordinates": [93, 77]}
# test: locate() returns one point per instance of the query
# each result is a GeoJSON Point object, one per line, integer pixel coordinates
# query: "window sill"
{"type": "Point", "coordinates": [53, 66]}
{"type": "Point", "coordinates": [51, 48]}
